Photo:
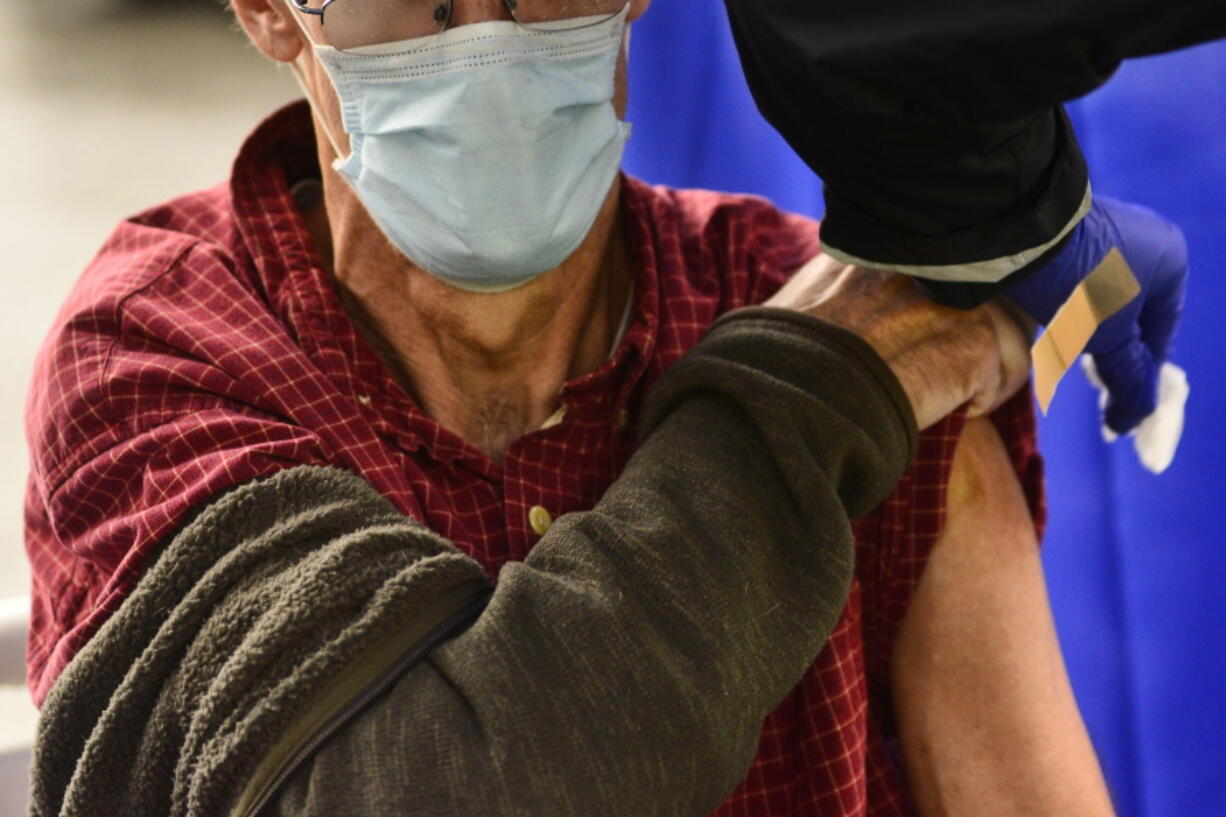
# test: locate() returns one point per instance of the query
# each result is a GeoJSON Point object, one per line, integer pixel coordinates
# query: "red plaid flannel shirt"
{"type": "Point", "coordinates": [205, 346]}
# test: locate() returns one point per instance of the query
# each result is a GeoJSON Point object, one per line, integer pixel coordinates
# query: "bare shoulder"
{"type": "Point", "coordinates": [985, 497]}
{"type": "Point", "coordinates": [987, 719]}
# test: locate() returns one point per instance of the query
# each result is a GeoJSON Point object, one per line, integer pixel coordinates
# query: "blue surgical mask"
{"type": "Point", "coordinates": [484, 153]}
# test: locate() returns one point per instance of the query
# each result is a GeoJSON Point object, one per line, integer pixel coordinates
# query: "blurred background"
{"type": "Point", "coordinates": [106, 109]}
{"type": "Point", "coordinates": [110, 107]}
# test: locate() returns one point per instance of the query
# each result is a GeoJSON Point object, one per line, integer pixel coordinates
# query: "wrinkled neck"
{"type": "Point", "coordinates": [488, 367]}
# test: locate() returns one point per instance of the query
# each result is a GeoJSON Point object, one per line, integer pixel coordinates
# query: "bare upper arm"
{"type": "Point", "coordinates": [986, 714]}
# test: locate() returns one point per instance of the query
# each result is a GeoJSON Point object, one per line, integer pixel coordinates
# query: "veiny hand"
{"type": "Point", "coordinates": [944, 358]}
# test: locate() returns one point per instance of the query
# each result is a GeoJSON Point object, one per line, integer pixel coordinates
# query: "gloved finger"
{"type": "Point", "coordinates": [1156, 439]}
{"type": "Point", "coordinates": [1091, 372]}
{"type": "Point", "coordinates": [1158, 254]}
{"type": "Point", "coordinates": [1164, 301]}
{"type": "Point", "coordinates": [1131, 377]}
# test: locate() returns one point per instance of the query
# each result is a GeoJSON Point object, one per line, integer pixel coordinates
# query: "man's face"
{"type": "Point", "coordinates": [455, 233]}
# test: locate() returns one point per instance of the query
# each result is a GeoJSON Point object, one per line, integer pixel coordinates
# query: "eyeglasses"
{"type": "Point", "coordinates": [356, 23]}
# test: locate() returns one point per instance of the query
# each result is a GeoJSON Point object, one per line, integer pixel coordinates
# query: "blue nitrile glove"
{"type": "Point", "coordinates": [1131, 346]}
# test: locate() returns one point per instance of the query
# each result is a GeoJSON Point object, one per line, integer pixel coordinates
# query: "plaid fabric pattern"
{"type": "Point", "coordinates": [206, 346]}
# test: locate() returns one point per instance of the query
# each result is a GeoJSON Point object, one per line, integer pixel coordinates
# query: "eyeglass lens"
{"type": "Point", "coordinates": [357, 23]}
{"type": "Point", "coordinates": [554, 12]}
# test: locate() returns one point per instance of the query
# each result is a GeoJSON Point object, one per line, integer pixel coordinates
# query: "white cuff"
{"type": "Point", "coordinates": [977, 272]}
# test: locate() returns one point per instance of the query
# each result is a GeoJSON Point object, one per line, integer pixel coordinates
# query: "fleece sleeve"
{"type": "Point", "coordinates": [626, 665]}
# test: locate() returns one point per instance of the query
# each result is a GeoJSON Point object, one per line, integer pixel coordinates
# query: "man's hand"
{"type": "Point", "coordinates": [1130, 347]}
{"type": "Point", "coordinates": [944, 358]}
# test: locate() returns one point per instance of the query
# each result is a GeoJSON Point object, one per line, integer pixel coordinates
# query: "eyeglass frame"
{"type": "Point", "coordinates": [301, 5]}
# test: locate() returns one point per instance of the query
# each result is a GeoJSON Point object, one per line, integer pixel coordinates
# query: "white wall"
{"type": "Point", "coordinates": [101, 118]}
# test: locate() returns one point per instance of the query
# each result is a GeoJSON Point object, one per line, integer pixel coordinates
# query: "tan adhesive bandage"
{"type": "Point", "coordinates": [1105, 291]}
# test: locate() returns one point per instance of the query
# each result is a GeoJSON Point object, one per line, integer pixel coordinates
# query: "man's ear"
{"type": "Point", "coordinates": [637, 7]}
{"type": "Point", "coordinates": [269, 25]}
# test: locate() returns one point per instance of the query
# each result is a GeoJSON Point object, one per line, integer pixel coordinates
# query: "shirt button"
{"type": "Point", "coordinates": [539, 519]}
{"type": "Point", "coordinates": [623, 420]}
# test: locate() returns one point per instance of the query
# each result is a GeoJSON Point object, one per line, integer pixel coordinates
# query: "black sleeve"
{"type": "Point", "coordinates": [935, 124]}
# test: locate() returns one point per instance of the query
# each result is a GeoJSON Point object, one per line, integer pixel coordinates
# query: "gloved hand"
{"type": "Point", "coordinates": [1130, 347]}
{"type": "Point", "coordinates": [1157, 437]}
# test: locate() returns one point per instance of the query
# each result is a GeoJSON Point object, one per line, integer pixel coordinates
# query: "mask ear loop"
{"type": "Point", "coordinates": [300, 78]}
{"type": "Point", "coordinates": [626, 55]}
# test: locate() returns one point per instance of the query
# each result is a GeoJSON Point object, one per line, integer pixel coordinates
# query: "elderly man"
{"type": "Point", "coordinates": [286, 430]}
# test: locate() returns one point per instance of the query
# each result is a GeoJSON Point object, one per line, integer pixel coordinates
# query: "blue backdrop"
{"type": "Point", "coordinates": [1135, 562]}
